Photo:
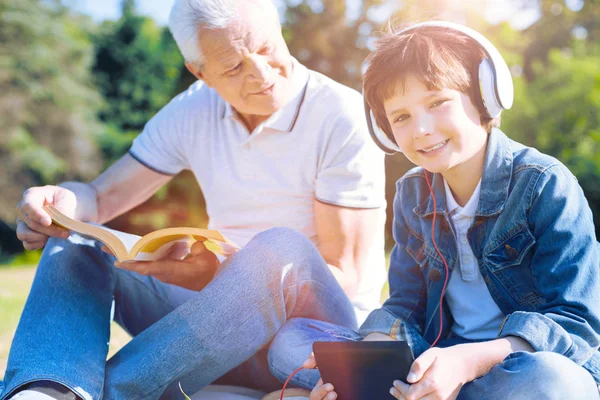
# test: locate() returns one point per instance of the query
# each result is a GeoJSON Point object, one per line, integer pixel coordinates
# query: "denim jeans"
{"type": "Point", "coordinates": [521, 375]}
{"type": "Point", "coordinates": [219, 334]}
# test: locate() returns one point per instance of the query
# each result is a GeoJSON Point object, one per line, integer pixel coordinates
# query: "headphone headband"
{"type": "Point", "coordinates": [495, 81]}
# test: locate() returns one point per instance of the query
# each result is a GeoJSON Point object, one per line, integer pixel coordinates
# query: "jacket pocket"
{"type": "Point", "coordinates": [508, 261]}
{"type": "Point", "coordinates": [510, 251]}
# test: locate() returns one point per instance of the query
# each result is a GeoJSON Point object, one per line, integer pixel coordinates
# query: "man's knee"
{"type": "Point", "coordinates": [74, 252]}
{"type": "Point", "coordinates": [283, 248]}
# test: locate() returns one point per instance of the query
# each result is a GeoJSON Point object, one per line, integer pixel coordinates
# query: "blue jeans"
{"type": "Point", "coordinates": [521, 375]}
{"type": "Point", "coordinates": [219, 334]}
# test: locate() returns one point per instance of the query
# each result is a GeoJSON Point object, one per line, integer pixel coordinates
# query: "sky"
{"type": "Point", "coordinates": [159, 10]}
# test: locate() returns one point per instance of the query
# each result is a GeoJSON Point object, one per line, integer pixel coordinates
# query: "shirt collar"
{"type": "Point", "coordinates": [285, 118]}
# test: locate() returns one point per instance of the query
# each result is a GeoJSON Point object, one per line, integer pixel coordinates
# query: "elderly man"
{"type": "Point", "coordinates": [271, 144]}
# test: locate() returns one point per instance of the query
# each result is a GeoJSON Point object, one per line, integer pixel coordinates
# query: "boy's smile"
{"type": "Point", "coordinates": [438, 129]}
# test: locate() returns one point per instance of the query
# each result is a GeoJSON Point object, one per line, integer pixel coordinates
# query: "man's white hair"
{"type": "Point", "coordinates": [188, 16]}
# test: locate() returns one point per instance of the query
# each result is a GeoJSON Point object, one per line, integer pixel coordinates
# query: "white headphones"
{"type": "Point", "coordinates": [495, 82]}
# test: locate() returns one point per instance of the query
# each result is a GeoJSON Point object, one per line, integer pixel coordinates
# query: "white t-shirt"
{"type": "Point", "coordinates": [476, 314]}
{"type": "Point", "coordinates": [316, 146]}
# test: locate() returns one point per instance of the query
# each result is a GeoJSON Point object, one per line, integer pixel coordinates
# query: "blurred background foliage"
{"type": "Point", "coordinates": [74, 92]}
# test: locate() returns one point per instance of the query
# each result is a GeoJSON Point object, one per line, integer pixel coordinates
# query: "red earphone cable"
{"type": "Point", "coordinates": [441, 256]}
{"type": "Point", "coordinates": [288, 380]}
{"type": "Point", "coordinates": [443, 288]}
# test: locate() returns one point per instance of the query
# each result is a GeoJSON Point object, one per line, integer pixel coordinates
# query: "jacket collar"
{"type": "Point", "coordinates": [495, 182]}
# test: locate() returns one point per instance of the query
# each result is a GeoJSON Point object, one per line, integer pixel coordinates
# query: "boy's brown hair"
{"type": "Point", "coordinates": [439, 57]}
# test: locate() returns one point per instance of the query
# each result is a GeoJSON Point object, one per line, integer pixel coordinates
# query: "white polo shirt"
{"type": "Point", "coordinates": [316, 146]}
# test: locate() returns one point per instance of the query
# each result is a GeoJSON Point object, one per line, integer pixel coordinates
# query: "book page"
{"type": "Point", "coordinates": [128, 239]}
{"type": "Point", "coordinates": [161, 251]}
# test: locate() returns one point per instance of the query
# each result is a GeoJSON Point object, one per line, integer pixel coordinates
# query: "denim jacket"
{"type": "Point", "coordinates": [535, 244]}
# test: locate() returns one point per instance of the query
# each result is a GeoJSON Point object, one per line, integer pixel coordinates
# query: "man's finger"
{"type": "Point", "coordinates": [33, 201]}
{"type": "Point", "coordinates": [161, 267]}
{"type": "Point", "coordinates": [107, 250]}
{"type": "Point", "coordinates": [34, 245]}
{"type": "Point", "coordinates": [52, 230]}
{"type": "Point", "coordinates": [178, 251]}
{"type": "Point", "coordinates": [197, 248]}
{"type": "Point", "coordinates": [26, 234]}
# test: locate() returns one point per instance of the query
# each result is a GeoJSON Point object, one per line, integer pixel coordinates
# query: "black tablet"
{"type": "Point", "coordinates": [363, 370]}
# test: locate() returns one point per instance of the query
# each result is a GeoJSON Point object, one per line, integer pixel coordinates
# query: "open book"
{"type": "Point", "coordinates": [152, 246]}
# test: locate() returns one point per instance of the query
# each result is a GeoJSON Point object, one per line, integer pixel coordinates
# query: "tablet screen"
{"type": "Point", "coordinates": [363, 370]}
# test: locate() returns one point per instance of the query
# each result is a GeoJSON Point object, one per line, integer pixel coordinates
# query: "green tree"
{"type": "Point", "coordinates": [48, 105]}
{"type": "Point", "coordinates": [137, 67]}
{"type": "Point", "coordinates": [558, 113]}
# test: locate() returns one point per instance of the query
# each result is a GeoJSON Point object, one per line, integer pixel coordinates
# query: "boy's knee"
{"type": "Point", "coordinates": [541, 375]}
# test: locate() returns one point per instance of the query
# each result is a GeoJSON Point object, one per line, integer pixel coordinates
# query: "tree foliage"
{"type": "Point", "coordinates": [48, 104]}
{"type": "Point", "coordinates": [54, 64]}
{"type": "Point", "coordinates": [137, 67]}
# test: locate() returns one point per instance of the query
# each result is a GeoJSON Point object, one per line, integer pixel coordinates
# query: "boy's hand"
{"type": "Point", "coordinates": [323, 392]}
{"type": "Point", "coordinates": [193, 272]}
{"type": "Point", "coordinates": [320, 391]}
{"type": "Point", "coordinates": [378, 337]}
{"type": "Point", "coordinates": [438, 374]}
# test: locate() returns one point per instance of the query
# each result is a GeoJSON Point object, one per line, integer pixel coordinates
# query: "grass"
{"type": "Point", "coordinates": [15, 284]}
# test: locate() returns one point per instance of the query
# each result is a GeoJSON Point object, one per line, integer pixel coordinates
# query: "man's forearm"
{"type": "Point", "coordinates": [86, 208]}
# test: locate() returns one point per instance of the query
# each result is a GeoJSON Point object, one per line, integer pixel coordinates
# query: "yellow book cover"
{"type": "Point", "coordinates": [153, 246]}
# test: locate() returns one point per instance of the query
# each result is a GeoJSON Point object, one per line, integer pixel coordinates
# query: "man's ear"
{"type": "Point", "coordinates": [194, 70]}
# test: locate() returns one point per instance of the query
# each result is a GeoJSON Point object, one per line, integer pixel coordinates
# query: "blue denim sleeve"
{"type": "Point", "coordinates": [404, 311]}
{"type": "Point", "coordinates": [566, 267]}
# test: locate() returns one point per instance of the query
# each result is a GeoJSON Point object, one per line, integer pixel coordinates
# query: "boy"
{"type": "Point", "coordinates": [495, 234]}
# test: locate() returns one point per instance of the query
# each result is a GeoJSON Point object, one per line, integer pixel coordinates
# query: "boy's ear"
{"type": "Point", "coordinates": [194, 70]}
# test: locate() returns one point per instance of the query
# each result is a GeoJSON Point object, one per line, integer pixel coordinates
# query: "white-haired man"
{"type": "Point", "coordinates": [271, 144]}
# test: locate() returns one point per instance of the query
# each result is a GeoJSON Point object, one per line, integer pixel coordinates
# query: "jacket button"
{"type": "Point", "coordinates": [435, 275]}
{"type": "Point", "coordinates": [511, 253]}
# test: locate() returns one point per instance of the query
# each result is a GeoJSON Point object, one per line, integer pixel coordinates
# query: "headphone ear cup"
{"type": "Point", "coordinates": [378, 135]}
{"type": "Point", "coordinates": [487, 88]}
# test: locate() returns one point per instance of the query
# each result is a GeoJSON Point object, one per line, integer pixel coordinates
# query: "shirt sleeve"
{"type": "Point", "coordinates": [566, 268]}
{"type": "Point", "coordinates": [352, 172]}
{"type": "Point", "coordinates": [160, 146]}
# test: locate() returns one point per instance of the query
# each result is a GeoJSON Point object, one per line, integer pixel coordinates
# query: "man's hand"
{"type": "Point", "coordinates": [193, 272]}
{"type": "Point", "coordinates": [438, 374]}
{"type": "Point", "coordinates": [34, 225]}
